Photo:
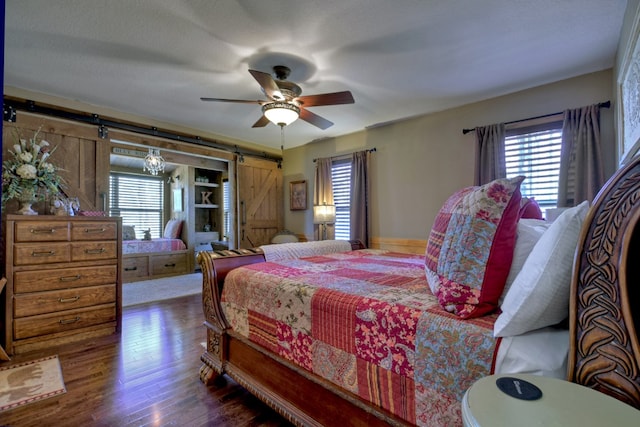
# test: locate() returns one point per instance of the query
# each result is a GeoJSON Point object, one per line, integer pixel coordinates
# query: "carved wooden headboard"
{"type": "Point", "coordinates": [605, 292]}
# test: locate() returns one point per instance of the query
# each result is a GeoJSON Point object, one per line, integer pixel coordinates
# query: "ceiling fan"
{"type": "Point", "coordinates": [285, 104]}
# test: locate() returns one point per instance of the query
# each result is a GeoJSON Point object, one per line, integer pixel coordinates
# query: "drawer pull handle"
{"type": "Point", "coordinates": [95, 230]}
{"type": "Point", "coordinates": [69, 321]}
{"type": "Point", "coordinates": [130, 268]}
{"type": "Point", "coordinates": [70, 278]}
{"type": "Point", "coordinates": [94, 251]}
{"type": "Point", "coordinates": [47, 253]}
{"type": "Point", "coordinates": [170, 265]}
{"type": "Point", "coordinates": [72, 299]}
{"type": "Point", "coordinates": [42, 230]}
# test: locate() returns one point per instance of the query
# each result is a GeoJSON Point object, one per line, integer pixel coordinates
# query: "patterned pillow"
{"type": "Point", "coordinates": [470, 247]}
{"type": "Point", "coordinates": [128, 232]}
{"type": "Point", "coordinates": [173, 229]}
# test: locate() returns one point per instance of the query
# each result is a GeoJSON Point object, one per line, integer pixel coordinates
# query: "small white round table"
{"type": "Point", "coordinates": [562, 404]}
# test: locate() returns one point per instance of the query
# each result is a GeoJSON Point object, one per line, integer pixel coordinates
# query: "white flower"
{"type": "Point", "coordinates": [25, 157]}
{"type": "Point", "coordinates": [27, 172]}
{"type": "Point", "coordinates": [48, 167]}
{"type": "Point", "coordinates": [17, 148]}
{"type": "Point", "coordinates": [44, 143]}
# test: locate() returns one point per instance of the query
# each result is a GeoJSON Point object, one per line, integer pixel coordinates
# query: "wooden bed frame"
{"type": "Point", "coordinates": [604, 348]}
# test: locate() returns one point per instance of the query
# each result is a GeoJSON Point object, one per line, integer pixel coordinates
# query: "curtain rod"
{"type": "Point", "coordinates": [605, 104]}
{"type": "Point", "coordinates": [371, 150]}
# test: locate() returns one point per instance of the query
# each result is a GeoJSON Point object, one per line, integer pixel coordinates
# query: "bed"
{"type": "Point", "coordinates": [394, 366]}
{"type": "Point", "coordinates": [158, 257]}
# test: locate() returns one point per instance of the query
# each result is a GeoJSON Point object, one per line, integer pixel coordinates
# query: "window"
{"type": "Point", "coordinates": [341, 182]}
{"type": "Point", "coordinates": [534, 151]}
{"type": "Point", "coordinates": [139, 200]}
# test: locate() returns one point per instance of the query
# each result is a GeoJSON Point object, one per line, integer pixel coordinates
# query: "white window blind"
{"type": "Point", "coordinates": [534, 152]}
{"type": "Point", "coordinates": [341, 182]}
{"type": "Point", "coordinates": [139, 200]}
{"type": "Point", "coordinates": [226, 203]}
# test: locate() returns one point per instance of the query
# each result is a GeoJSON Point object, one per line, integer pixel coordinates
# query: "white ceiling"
{"type": "Point", "coordinates": [401, 58]}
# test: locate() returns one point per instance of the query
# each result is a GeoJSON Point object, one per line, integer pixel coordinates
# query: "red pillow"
{"type": "Point", "coordinates": [173, 229]}
{"type": "Point", "coordinates": [470, 247]}
{"type": "Point", "coordinates": [530, 209]}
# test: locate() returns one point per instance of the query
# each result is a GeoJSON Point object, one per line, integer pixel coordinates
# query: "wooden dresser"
{"type": "Point", "coordinates": [63, 280]}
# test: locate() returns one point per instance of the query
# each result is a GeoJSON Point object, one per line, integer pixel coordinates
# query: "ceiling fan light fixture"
{"type": "Point", "coordinates": [281, 113]}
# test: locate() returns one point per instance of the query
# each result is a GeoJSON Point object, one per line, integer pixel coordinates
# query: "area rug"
{"type": "Point", "coordinates": [146, 291]}
{"type": "Point", "coordinates": [30, 382]}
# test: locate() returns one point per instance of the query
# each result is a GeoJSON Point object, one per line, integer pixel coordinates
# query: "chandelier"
{"type": "Point", "coordinates": [281, 113]}
{"type": "Point", "coordinates": [154, 162]}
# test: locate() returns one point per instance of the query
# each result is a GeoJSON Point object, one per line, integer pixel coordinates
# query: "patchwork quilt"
{"type": "Point", "coordinates": [367, 321]}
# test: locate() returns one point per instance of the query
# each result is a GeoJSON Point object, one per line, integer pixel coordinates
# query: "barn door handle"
{"type": "Point", "coordinates": [244, 212]}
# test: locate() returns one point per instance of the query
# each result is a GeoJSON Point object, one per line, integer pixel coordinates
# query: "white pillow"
{"type": "Point", "coordinates": [539, 296]}
{"type": "Point", "coordinates": [528, 233]}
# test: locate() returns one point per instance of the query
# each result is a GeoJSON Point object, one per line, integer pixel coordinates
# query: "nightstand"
{"type": "Point", "coordinates": [562, 404]}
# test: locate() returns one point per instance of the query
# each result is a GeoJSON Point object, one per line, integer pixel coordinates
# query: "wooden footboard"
{"type": "Point", "coordinates": [299, 396]}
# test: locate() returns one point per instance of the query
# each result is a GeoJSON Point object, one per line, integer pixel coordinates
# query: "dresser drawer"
{"type": "Point", "coordinates": [135, 267]}
{"type": "Point", "coordinates": [67, 299]}
{"type": "Point", "coordinates": [41, 231]}
{"type": "Point", "coordinates": [48, 280]}
{"type": "Point", "coordinates": [87, 251]}
{"type": "Point", "coordinates": [169, 264]}
{"type": "Point", "coordinates": [41, 253]}
{"type": "Point", "coordinates": [94, 231]}
{"type": "Point", "coordinates": [43, 324]}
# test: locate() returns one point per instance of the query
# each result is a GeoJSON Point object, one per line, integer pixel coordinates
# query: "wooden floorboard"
{"type": "Point", "coordinates": [147, 376]}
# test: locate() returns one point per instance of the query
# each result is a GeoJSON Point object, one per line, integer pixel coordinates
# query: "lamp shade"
{"type": "Point", "coordinates": [324, 214]}
{"type": "Point", "coordinates": [281, 113]}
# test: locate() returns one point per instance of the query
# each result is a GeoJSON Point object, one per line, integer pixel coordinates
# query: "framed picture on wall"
{"type": "Point", "coordinates": [298, 195]}
{"type": "Point", "coordinates": [177, 200]}
{"type": "Point", "coordinates": [629, 97]}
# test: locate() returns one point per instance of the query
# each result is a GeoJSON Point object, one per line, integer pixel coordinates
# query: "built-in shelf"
{"type": "Point", "coordinates": [206, 184]}
{"type": "Point", "coordinates": [207, 215]}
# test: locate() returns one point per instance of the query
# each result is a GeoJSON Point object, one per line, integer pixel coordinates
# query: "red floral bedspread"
{"type": "Point", "coordinates": [367, 321]}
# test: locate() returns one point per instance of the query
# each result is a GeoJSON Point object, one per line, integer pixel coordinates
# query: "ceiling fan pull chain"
{"type": "Point", "coordinates": [282, 138]}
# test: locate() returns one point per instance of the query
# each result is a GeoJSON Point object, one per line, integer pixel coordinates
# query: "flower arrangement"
{"type": "Point", "coordinates": [28, 175]}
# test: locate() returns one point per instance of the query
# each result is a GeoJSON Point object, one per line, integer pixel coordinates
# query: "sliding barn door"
{"type": "Point", "coordinates": [260, 202]}
{"type": "Point", "coordinates": [82, 157]}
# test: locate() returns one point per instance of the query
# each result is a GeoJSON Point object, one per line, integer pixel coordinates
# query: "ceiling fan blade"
{"type": "Point", "coordinates": [269, 85]}
{"type": "Point", "coordinates": [315, 119]}
{"type": "Point", "coordinates": [334, 98]}
{"type": "Point", "coordinates": [242, 101]}
{"type": "Point", "coordinates": [262, 122]}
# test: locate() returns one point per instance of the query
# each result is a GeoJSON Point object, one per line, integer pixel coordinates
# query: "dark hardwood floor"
{"type": "Point", "coordinates": [147, 376]}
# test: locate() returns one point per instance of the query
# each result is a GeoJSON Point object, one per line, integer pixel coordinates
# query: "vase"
{"type": "Point", "coordinates": [26, 199]}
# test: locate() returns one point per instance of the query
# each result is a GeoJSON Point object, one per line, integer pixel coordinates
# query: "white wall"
{"type": "Point", "coordinates": [421, 161]}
